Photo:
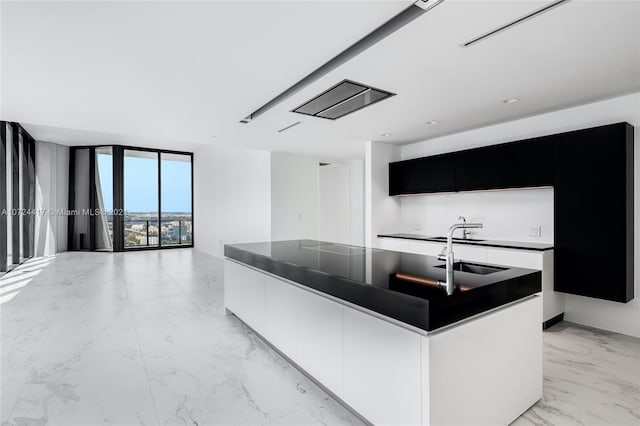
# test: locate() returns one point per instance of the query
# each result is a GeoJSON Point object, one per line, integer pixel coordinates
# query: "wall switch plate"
{"type": "Point", "coordinates": [535, 231]}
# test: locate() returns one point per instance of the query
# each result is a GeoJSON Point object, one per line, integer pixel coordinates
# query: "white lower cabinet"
{"type": "Point", "coordinates": [244, 294]}
{"type": "Point", "coordinates": [253, 296]}
{"type": "Point", "coordinates": [280, 315]}
{"type": "Point", "coordinates": [393, 244]}
{"type": "Point", "coordinates": [319, 337]}
{"type": "Point", "coordinates": [233, 286]}
{"type": "Point", "coordinates": [382, 370]}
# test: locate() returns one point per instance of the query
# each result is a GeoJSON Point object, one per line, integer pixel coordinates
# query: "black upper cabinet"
{"type": "Point", "coordinates": [422, 175]}
{"type": "Point", "coordinates": [593, 218]}
{"type": "Point", "coordinates": [512, 165]}
{"type": "Point", "coordinates": [592, 173]}
{"type": "Point", "coordinates": [521, 164]}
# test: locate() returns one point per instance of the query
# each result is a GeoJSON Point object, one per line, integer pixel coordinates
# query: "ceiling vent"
{"type": "Point", "coordinates": [342, 99]}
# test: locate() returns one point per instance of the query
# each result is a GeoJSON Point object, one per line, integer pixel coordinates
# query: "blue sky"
{"type": "Point", "coordinates": [141, 184]}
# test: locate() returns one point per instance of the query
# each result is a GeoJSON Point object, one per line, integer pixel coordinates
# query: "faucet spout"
{"type": "Point", "coordinates": [448, 256]}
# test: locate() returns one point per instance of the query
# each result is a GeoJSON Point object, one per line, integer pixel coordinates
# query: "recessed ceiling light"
{"type": "Point", "coordinates": [431, 122]}
{"type": "Point", "coordinates": [510, 100]}
{"type": "Point", "coordinates": [385, 135]}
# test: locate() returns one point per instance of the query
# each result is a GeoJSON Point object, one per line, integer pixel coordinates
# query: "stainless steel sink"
{"type": "Point", "coordinates": [473, 268]}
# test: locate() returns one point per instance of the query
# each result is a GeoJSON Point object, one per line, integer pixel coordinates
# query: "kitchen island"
{"type": "Point", "coordinates": [374, 328]}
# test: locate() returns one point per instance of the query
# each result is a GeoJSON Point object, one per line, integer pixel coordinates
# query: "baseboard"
{"type": "Point", "coordinates": [552, 321]}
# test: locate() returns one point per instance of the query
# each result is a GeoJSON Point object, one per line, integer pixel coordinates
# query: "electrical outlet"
{"type": "Point", "coordinates": [535, 231]}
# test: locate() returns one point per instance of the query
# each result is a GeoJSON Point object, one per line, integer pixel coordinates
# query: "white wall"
{"type": "Point", "coordinates": [232, 202]}
{"type": "Point", "coordinates": [618, 317]}
{"type": "Point", "coordinates": [52, 193]}
{"type": "Point", "coordinates": [506, 215]}
{"type": "Point", "coordinates": [382, 213]}
{"type": "Point", "coordinates": [294, 197]}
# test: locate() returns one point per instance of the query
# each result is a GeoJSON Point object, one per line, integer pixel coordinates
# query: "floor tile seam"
{"type": "Point", "coordinates": [144, 364]}
{"type": "Point", "coordinates": [187, 295]}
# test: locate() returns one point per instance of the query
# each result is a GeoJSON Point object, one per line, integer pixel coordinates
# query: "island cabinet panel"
{"type": "Point", "coordinates": [593, 221]}
{"type": "Point", "coordinates": [521, 164]}
{"type": "Point", "coordinates": [382, 370]}
{"type": "Point", "coordinates": [484, 371]}
{"type": "Point", "coordinates": [280, 315]}
{"type": "Point", "coordinates": [422, 175]}
{"type": "Point", "coordinates": [489, 371]}
{"type": "Point", "coordinates": [245, 294]}
{"type": "Point", "coordinates": [319, 337]}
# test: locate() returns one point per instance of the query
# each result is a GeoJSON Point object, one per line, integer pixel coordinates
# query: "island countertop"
{"type": "Point", "coordinates": [401, 286]}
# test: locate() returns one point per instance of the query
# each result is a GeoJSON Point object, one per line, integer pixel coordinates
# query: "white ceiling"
{"type": "Point", "coordinates": [176, 74]}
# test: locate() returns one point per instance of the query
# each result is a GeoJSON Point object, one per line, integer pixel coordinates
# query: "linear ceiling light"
{"type": "Point", "coordinates": [395, 23]}
{"type": "Point", "coordinates": [515, 22]}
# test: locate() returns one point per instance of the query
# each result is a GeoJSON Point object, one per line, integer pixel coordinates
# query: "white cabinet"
{"type": "Point", "coordinates": [319, 338]}
{"type": "Point", "coordinates": [233, 286]}
{"type": "Point", "coordinates": [382, 370]}
{"type": "Point", "coordinates": [280, 315]}
{"type": "Point", "coordinates": [426, 248]}
{"type": "Point", "coordinates": [254, 300]}
{"type": "Point", "coordinates": [244, 294]}
{"type": "Point", "coordinates": [393, 244]}
{"type": "Point", "coordinates": [470, 253]}
{"type": "Point", "coordinates": [432, 248]}
{"type": "Point", "coordinates": [518, 258]}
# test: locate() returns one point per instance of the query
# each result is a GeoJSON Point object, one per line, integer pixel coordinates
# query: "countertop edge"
{"type": "Point", "coordinates": [488, 243]}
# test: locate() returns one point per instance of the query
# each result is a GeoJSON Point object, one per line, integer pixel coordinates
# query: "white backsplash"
{"type": "Point", "coordinates": [506, 214]}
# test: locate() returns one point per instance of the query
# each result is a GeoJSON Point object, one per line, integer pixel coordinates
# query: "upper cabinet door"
{"type": "Point", "coordinates": [422, 175]}
{"type": "Point", "coordinates": [512, 165]}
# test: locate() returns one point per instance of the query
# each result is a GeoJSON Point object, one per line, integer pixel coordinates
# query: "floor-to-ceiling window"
{"type": "Point", "coordinates": [104, 191]}
{"type": "Point", "coordinates": [17, 195]}
{"type": "Point", "coordinates": [139, 198]}
{"type": "Point", "coordinates": [176, 224]}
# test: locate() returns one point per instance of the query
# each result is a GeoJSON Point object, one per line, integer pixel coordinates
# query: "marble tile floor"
{"type": "Point", "coordinates": [141, 338]}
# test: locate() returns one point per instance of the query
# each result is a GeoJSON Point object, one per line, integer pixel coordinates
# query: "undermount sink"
{"type": "Point", "coordinates": [473, 268]}
{"type": "Point", "coordinates": [456, 239]}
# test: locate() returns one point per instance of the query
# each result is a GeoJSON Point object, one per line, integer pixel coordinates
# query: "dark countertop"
{"type": "Point", "coordinates": [487, 243]}
{"type": "Point", "coordinates": [398, 285]}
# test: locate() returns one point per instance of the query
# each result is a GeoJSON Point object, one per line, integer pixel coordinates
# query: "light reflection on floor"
{"type": "Point", "coordinates": [12, 282]}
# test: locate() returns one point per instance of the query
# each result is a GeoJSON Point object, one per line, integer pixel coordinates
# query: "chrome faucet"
{"type": "Point", "coordinates": [447, 254]}
{"type": "Point", "coordinates": [465, 232]}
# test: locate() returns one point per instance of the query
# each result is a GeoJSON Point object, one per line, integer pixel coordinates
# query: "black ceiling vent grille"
{"type": "Point", "coordinates": [342, 99]}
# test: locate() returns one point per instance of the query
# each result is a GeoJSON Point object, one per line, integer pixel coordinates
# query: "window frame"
{"type": "Point", "coordinates": [118, 195]}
